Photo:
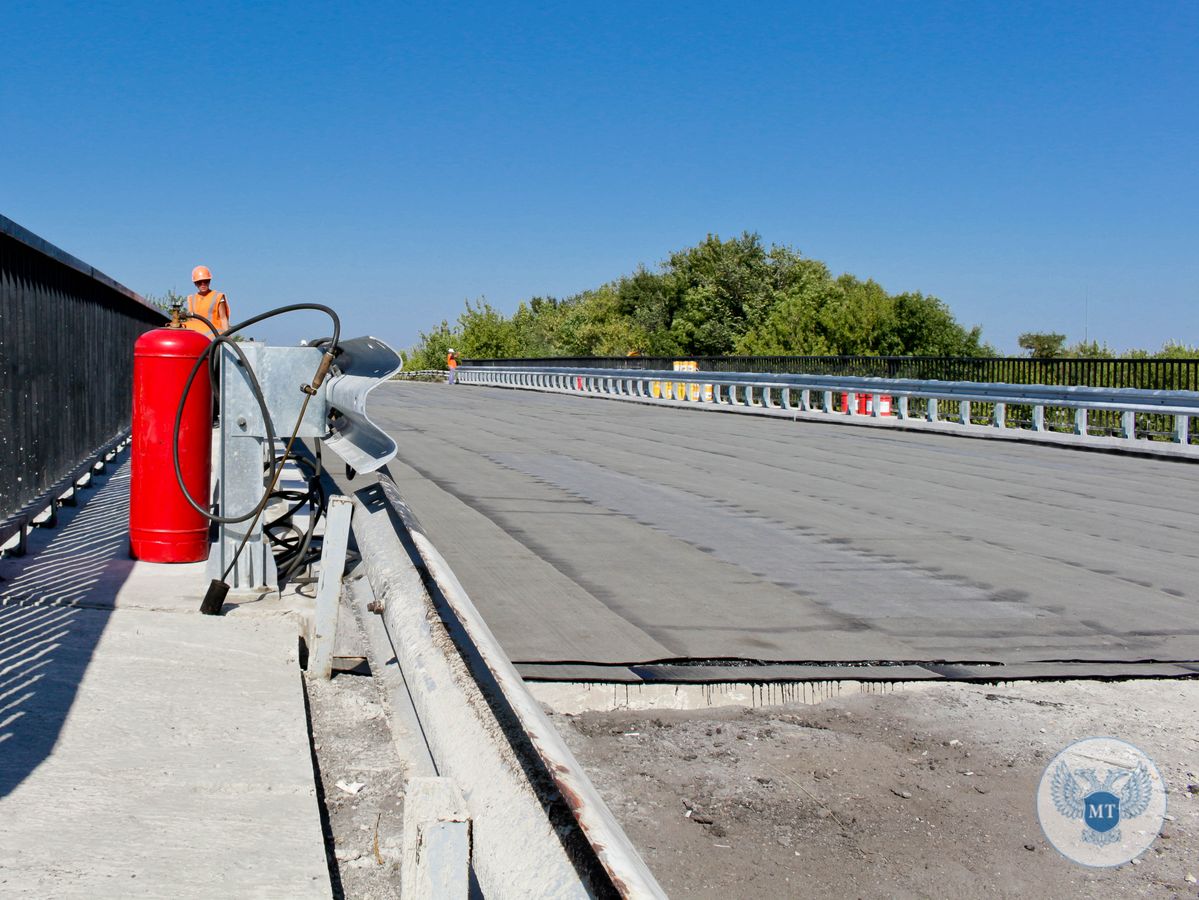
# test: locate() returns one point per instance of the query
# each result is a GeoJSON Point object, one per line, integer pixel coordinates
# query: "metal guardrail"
{"type": "Point", "coordinates": [1127, 413]}
{"type": "Point", "coordinates": [539, 827]}
{"type": "Point", "coordinates": [438, 374]}
{"type": "Point", "coordinates": [66, 352]}
{"type": "Point", "coordinates": [628, 872]}
{"type": "Point", "coordinates": [1147, 374]}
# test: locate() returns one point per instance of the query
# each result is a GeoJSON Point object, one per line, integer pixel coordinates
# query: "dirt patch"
{"type": "Point", "coordinates": [904, 794]}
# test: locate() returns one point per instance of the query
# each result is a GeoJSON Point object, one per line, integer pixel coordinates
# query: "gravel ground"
{"type": "Point", "coordinates": [353, 745]}
{"type": "Point", "coordinates": [920, 793]}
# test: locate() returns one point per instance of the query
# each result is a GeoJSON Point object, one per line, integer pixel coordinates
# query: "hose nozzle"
{"type": "Point", "coordinates": [322, 373]}
{"type": "Point", "coordinates": [214, 599]}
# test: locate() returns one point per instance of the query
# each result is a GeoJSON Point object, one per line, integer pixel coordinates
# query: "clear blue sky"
{"type": "Point", "coordinates": [397, 159]}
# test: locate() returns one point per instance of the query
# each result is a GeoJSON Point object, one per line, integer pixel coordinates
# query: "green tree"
{"type": "Point", "coordinates": [924, 326]}
{"type": "Point", "coordinates": [1042, 344]}
{"type": "Point", "coordinates": [485, 333]}
{"type": "Point", "coordinates": [718, 297]}
{"type": "Point", "coordinates": [432, 350]}
{"type": "Point", "coordinates": [1089, 350]}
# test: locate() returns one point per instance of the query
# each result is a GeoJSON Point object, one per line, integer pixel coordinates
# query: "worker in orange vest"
{"type": "Point", "coordinates": [210, 304]}
{"type": "Point", "coordinates": [451, 361]}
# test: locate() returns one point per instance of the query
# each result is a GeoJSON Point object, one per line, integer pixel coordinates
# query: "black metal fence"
{"type": "Point", "coordinates": [66, 359]}
{"type": "Point", "coordinates": [1147, 374]}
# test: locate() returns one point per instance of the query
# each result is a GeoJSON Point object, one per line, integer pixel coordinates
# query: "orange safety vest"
{"type": "Point", "coordinates": [213, 306]}
{"type": "Point", "coordinates": [452, 360]}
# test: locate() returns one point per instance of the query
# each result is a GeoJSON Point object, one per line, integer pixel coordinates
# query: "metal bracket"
{"type": "Point", "coordinates": [336, 415]}
{"type": "Point", "coordinates": [243, 458]}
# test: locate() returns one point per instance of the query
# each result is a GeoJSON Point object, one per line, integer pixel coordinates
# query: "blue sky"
{"type": "Point", "coordinates": [1022, 161]}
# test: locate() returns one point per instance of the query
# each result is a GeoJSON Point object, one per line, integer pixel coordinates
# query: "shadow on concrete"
{"type": "Point", "coordinates": [55, 603]}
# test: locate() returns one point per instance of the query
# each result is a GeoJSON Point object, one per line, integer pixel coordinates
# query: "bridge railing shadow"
{"type": "Point", "coordinates": [55, 603]}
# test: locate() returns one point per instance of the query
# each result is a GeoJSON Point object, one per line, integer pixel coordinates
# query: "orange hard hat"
{"type": "Point", "coordinates": [201, 273]}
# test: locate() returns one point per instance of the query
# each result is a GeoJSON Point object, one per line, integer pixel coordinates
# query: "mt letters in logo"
{"type": "Point", "coordinates": [1101, 802]}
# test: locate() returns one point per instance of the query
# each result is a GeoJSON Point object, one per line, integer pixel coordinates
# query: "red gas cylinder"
{"type": "Point", "coordinates": [163, 526]}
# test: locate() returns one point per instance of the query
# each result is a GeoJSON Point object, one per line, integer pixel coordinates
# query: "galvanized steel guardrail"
{"type": "Point", "coordinates": [1127, 413]}
{"type": "Point", "coordinates": [419, 374]}
{"type": "Point", "coordinates": [476, 713]}
{"type": "Point", "coordinates": [1150, 374]}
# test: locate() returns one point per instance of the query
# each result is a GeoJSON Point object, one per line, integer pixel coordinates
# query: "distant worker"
{"type": "Point", "coordinates": [451, 361]}
{"type": "Point", "coordinates": [210, 304]}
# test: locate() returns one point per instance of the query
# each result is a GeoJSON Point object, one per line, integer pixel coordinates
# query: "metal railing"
{"type": "Point", "coordinates": [1147, 374]}
{"type": "Point", "coordinates": [421, 375]}
{"type": "Point", "coordinates": [66, 347]}
{"type": "Point", "coordinates": [1125, 413]}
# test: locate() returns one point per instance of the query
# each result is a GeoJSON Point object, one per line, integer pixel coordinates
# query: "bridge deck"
{"type": "Point", "coordinates": [592, 532]}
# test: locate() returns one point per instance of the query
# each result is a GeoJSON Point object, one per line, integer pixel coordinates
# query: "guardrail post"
{"type": "Point", "coordinates": [1182, 425]}
{"type": "Point", "coordinates": [964, 412]}
{"type": "Point", "coordinates": [902, 406]}
{"type": "Point", "coordinates": [851, 403]}
{"type": "Point", "coordinates": [1128, 425]}
{"type": "Point", "coordinates": [827, 402]}
{"type": "Point", "coordinates": [787, 398]}
{"type": "Point", "coordinates": [1038, 418]}
{"type": "Point", "coordinates": [328, 590]}
{"type": "Point", "coordinates": [932, 409]}
{"type": "Point", "coordinates": [1000, 415]}
{"type": "Point", "coordinates": [805, 400]}
{"type": "Point", "coordinates": [1080, 420]}
{"type": "Point", "coordinates": [876, 405]}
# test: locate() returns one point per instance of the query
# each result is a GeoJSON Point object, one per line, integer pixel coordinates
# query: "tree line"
{"type": "Point", "coordinates": [724, 297]}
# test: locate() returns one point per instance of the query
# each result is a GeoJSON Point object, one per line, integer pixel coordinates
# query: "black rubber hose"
{"type": "Point", "coordinates": [296, 552]}
{"type": "Point", "coordinates": [303, 555]}
{"type": "Point", "coordinates": [315, 491]}
{"type": "Point", "coordinates": [256, 389]}
{"type": "Point", "coordinates": [294, 307]}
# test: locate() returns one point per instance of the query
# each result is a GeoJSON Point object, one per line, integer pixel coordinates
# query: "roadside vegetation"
{"type": "Point", "coordinates": [733, 297]}
{"type": "Point", "coordinates": [717, 298]}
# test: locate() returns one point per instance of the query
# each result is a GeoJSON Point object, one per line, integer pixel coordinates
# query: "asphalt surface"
{"type": "Point", "coordinates": [610, 539]}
